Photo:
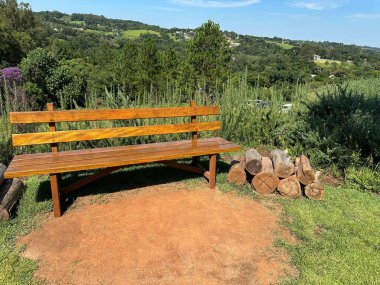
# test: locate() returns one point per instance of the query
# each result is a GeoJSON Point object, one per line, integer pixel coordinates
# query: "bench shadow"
{"type": "Point", "coordinates": [125, 179]}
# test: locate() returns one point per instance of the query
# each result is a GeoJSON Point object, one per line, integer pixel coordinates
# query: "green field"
{"type": "Point", "coordinates": [82, 23]}
{"type": "Point", "coordinates": [284, 46]}
{"type": "Point", "coordinates": [326, 62]}
{"type": "Point", "coordinates": [134, 34]}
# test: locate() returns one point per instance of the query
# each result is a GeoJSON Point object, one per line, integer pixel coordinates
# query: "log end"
{"type": "Point", "coordinates": [265, 183]}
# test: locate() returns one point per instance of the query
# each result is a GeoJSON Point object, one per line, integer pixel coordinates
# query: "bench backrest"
{"type": "Point", "coordinates": [54, 137]}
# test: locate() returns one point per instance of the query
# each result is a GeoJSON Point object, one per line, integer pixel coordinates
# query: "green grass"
{"type": "Point", "coordinates": [327, 62]}
{"type": "Point", "coordinates": [81, 23]}
{"type": "Point", "coordinates": [134, 34]}
{"type": "Point", "coordinates": [281, 45]}
{"type": "Point", "coordinates": [339, 241]}
{"type": "Point", "coordinates": [15, 269]}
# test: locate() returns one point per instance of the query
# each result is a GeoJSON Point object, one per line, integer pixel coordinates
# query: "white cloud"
{"type": "Point", "coordinates": [215, 4]}
{"type": "Point", "coordinates": [360, 16]}
{"type": "Point", "coordinates": [318, 4]}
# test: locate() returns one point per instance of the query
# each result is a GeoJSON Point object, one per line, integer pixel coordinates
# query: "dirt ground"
{"type": "Point", "coordinates": [164, 234]}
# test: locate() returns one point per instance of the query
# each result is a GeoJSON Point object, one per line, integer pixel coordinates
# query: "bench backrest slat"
{"type": "Point", "coordinates": [114, 114]}
{"type": "Point", "coordinates": [108, 133]}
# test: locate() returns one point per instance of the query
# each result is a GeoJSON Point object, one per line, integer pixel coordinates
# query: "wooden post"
{"type": "Point", "coordinates": [212, 169]}
{"type": "Point", "coordinates": [55, 179]}
{"type": "Point", "coordinates": [54, 185]}
{"type": "Point", "coordinates": [194, 138]}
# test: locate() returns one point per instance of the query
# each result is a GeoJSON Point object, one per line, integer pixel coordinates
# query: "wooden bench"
{"type": "Point", "coordinates": [112, 158]}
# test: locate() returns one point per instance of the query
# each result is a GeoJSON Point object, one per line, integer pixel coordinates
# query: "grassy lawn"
{"type": "Point", "coordinates": [13, 268]}
{"type": "Point", "coordinates": [281, 45]}
{"type": "Point", "coordinates": [339, 241]}
{"type": "Point", "coordinates": [82, 23]}
{"type": "Point", "coordinates": [134, 34]}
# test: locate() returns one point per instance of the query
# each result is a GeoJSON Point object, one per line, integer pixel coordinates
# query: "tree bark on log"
{"type": "Point", "coordinates": [266, 181]}
{"type": "Point", "coordinates": [2, 170]}
{"type": "Point", "coordinates": [290, 187]}
{"type": "Point", "coordinates": [253, 162]}
{"type": "Point", "coordinates": [10, 192]}
{"type": "Point", "coordinates": [237, 175]}
{"type": "Point", "coordinates": [305, 172]}
{"type": "Point", "coordinates": [315, 190]}
{"type": "Point", "coordinates": [283, 166]}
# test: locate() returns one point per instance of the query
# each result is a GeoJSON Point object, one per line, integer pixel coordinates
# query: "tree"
{"type": "Point", "coordinates": [209, 55]}
{"type": "Point", "coordinates": [149, 65]}
{"type": "Point", "coordinates": [20, 31]}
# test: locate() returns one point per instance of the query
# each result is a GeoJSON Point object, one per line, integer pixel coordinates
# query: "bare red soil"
{"type": "Point", "coordinates": [161, 235]}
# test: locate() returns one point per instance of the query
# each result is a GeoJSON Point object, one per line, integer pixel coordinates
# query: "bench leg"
{"type": "Point", "coordinates": [54, 185]}
{"type": "Point", "coordinates": [212, 170]}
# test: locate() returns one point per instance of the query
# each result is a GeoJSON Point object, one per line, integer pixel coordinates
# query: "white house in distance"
{"type": "Point", "coordinates": [317, 57]}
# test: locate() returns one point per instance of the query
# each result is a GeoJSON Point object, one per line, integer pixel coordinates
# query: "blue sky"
{"type": "Point", "coordinates": [347, 21]}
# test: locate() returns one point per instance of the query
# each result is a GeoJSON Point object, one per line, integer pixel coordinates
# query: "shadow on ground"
{"type": "Point", "coordinates": [126, 179]}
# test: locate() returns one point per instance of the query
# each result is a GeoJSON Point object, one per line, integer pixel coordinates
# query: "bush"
{"type": "Point", "coordinates": [364, 178]}
{"type": "Point", "coordinates": [341, 126]}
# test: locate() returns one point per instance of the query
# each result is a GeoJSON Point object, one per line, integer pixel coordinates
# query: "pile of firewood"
{"type": "Point", "coordinates": [10, 192]}
{"type": "Point", "coordinates": [277, 172]}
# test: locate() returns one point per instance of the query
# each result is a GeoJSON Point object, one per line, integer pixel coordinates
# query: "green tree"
{"type": "Point", "coordinates": [209, 55]}
{"type": "Point", "coordinates": [20, 31]}
{"type": "Point", "coordinates": [149, 65]}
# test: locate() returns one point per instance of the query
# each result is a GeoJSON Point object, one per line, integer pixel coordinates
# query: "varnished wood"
{"type": "Point", "coordinates": [120, 160]}
{"type": "Point", "coordinates": [194, 138]}
{"type": "Point", "coordinates": [113, 158]}
{"type": "Point", "coordinates": [54, 185]}
{"type": "Point", "coordinates": [52, 128]}
{"type": "Point", "coordinates": [115, 114]}
{"type": "Point", "coordinates": [75, 153]}
{"type": "Point", "coordinates": [111, 152]}
{"type": "Point", "coordinates": [108, 133]}
{"type": "Point", "coordinates": [89, 179]}
{"type": "Point", "coordinates": [212, 169]}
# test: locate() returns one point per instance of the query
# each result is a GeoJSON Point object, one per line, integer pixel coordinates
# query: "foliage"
{"type": "Point", "coordinates": [340, 126]}
{"type": "Point", "coordinates": [20, 32]}
{"type": "Point", "coordinates": [208, 55]}
{"type": "Point", "coordinates": [364, 178]}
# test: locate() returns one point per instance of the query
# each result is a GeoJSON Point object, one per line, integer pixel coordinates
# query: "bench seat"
{"type": "Point", "coordinates": [78, 160]}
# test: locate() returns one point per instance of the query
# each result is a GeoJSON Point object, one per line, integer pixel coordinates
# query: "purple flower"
{"type": "Point", "coordinates": [11, 74]}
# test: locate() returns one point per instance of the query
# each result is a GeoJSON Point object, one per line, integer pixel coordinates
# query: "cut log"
{"type": "Point", "coordinates": [237, 175]}
{"type": "Point", "coordinates": [266, 181]}
{"type": "Point", "coordinates": [305, 172]}
{"type": "Point", "coordinates": [283, 166]}
{"type": "Point", "coordinates": [5, 215]}
{"type": "Point", "coordinates": [2, 170]}
{"type": "Point", "coordinates": [290, 187]}
{"type": "Point", "coordinates": [253, 161]}
{"type": "Point", "coordinates": [10, 192]}
{"type": "Point", "coordinates": [315, 190]}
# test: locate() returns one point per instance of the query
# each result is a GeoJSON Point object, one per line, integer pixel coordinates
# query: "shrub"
{"type": "Point", "coordinates": [364, 178]}
{"type": "Point", "coordinates": [341, 126]}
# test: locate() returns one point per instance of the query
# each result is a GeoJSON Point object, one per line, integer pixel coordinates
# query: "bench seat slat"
{"type": "Point", "coordinates": [110, 150]}
{"type": "Point", "coordinates": [114, 114]}
{"type": "Point", "coordinates": [125, 156]}
{"type": "Point", "coordinates": [108, 133]}
{"type": "Point", "coordinates": [109, 153]}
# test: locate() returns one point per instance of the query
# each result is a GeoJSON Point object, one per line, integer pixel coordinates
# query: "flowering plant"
{"type": "Point", "coordinates": [10, 74]}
